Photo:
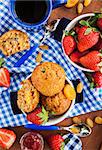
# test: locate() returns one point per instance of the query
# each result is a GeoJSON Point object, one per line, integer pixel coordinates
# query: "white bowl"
{"type": "Point", "coordinates": [60, 118]}
{"type": "Point", "coordinates": [68, 28]}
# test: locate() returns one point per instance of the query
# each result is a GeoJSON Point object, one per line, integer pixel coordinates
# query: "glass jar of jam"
{"type": "Point", "coordinates": [32, 141]}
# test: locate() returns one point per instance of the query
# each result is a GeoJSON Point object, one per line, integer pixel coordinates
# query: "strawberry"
{"type": "Point", "coordinates": [91, 60]}
{"type": "Point", "coordinates": [69, 44]}
{"type": "Point", "coordinates": [87, 38]}
{"type": "Point", "coordinates": [97, 76]}
{"type": "Point", "coordinates": [39, 116]}
{"type": "Point", "coordinates": [99, 23]}
{"type": "Point", "coordinates": [7, 138]}
{"type": "Point", "coordinates": [77, 28]}
{"type": "Point", "coordinates": [56, 142]}
{"type": "Point", "coordinates": [98, 46]}
{"type": "Point", "coordinates": [75, 56]}
{"type": "Point", "coordinates": [4, 75]}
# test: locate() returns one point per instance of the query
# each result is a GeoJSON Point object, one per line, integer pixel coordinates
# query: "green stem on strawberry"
{"type": "Point", "coordinates": [84, 23]}
{"type": "Point", "coordinates": [92, 85]}
{"type": "Point", "coordinates": [1, 62]}
{"type": "Point", "coordinates": [43, 115]}
{"type": "Point", "coordinates": [72, 33]}
{"type": "Point", "coordinates": [100, 51]}
{"type": "Point", "coordinates": [100, 55]}
{"type": "Point", "coordinates": [89, 29]}
{"type": "Point", "coordinates": [62, 146]}
{"type": "Point", "coordinates": [93, 19]}
{"type": "Point", "coordinates": [98, 15]}
{"type": "Point", "coordinates": [89, 23]}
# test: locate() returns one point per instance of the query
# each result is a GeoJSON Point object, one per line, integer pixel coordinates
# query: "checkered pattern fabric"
{"type": "Point", "coordinates": [92, 97]}
{"type": "Point", "coordinates": [74, 142]}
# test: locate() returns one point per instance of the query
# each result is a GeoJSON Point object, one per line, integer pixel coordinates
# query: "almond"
{"type": "Point", "coordinates": [98, 120]}
{"type": "Point", "coordinates": [75, 130]}
{"type": "Point", "coordinates": [79, 87]}
{"type": "Point", "coordinates": [80, 8]}
{"type": "Point", "coordinates": [89, 122]}
{"type": "Point", "coordinates": [71, 3]}
{"type": "Point", "coordinates": [76, 120]}
{"type": "Point", "coordinates": [87, 2]}
{"type": "Point", "coordinates": [44, 47]}
{"type": "Point", "coordinates": [39, 57]}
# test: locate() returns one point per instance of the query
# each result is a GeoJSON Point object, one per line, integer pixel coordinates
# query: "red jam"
{"type": "Point", "coordinates": [32, 141]}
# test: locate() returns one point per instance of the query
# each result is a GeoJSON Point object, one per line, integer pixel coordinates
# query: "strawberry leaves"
{"type": "Point", "coordinates": [62, 146]}
{"type": "Point", "coordinates": [97, 15]}
{"type": "Point", "coordinates": [43, 115]}
{"type": "Point", "coordinates": [38, 116]}
{"type": "Point", "coordinates": [92, 85]}
{"type": "Point", "coordinates": [84, 23]}
{"type": "Point", "coordinates": [72, 33]}
{"type": "Point", "coordinates": [88, 30]}
{"type": "Point", "coordinates": [90, 22]}
{"type": "Point", "coordinates": [1, 62]}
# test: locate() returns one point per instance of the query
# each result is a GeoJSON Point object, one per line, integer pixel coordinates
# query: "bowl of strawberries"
{"type": "Point", "coordinates": [82, 42]}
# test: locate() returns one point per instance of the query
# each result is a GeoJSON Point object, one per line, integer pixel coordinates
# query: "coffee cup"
{"type": "Point", "coordinates": [32, 13]}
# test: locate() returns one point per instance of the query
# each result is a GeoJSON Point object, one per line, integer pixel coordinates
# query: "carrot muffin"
{"type": "Point", "coordinates": [57, 104]}
{"type": "Point", "coordinates": [48, 78]}
{"type": "Point", "coordinates": [28, 97]}
{"type": "Point", "coordinates": [14, 41]}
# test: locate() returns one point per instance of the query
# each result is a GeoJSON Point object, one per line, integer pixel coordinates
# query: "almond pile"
{"type": "Point", "coordinates": [89, 121]}
{"type": "Point", "coordinates": [80, 5]}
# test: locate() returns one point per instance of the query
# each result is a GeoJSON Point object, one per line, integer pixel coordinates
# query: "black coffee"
{"type": "Point", "coordinates": [31, 11]}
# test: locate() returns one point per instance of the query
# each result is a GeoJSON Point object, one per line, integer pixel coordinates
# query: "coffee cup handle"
{"type": "Point", "coordinates": [58, 3]}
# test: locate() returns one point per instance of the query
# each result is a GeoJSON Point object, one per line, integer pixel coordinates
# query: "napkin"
{"type": "Point", "coordinates": [74, 142]}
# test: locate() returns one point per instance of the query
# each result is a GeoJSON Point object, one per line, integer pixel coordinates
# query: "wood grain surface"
{"type": "Point", "coordinates": [94, 141]}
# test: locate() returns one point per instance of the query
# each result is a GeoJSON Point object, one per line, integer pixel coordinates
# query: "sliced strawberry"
{"type": "Point", "coordinates": [91, 60]}
{"type": "Point", "coordinates": [39, 116]}
{"type": "Point", "coordinates": [86, 41]}
{"type": "Point", "coordinates": [4, 77]}
{"type": "Point", "coordinates": [56, 142]}
{"type": "Point", "coordinates": [97, 76]}
{"type": "Point", "coordinates": [69, 44]}
{"type": "Point", "coordinates": [99, 23]}
{"type": "Point", "coordinates": [7, 138]}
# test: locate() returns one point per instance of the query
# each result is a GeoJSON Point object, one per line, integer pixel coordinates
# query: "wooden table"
{"type": "Point", "coordinates": [94, 141]}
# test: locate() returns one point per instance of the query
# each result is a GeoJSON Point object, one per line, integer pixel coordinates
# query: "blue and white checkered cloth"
{"type": "Point", "coordinates": [74, 142]}
{"type": "Point", "coordinates": [92, 97]}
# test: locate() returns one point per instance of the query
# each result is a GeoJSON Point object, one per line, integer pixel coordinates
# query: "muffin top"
{"type": "Point", "coordinates": [48, 78]}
